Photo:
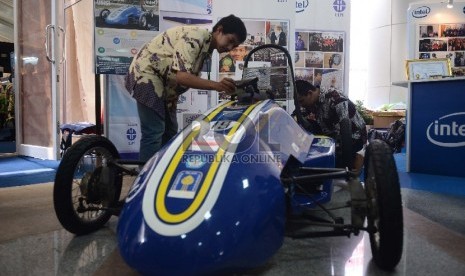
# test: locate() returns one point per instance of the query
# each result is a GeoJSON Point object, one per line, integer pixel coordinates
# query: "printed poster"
{"type": "Point", "coordinates": [120, 30]}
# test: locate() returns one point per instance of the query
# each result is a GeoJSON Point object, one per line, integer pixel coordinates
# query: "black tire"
{"type": "Point", "coordinates": [385, 219]}
{"type": "Point", "coordinates": [80, 184]}
{"type": "Point", "coordinates": [344, 157]}
{"type": "Point", "coordinates": [104, 13]}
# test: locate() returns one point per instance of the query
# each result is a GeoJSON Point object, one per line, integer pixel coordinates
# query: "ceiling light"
{"type": "Point", "coordinates": [450, 4]}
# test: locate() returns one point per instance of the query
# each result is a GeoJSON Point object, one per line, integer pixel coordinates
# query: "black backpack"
{"type": "Point", "coordinates": [394, 136]}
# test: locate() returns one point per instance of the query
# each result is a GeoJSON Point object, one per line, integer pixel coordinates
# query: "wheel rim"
{"type": "Point", "coordinates": [82, 178]}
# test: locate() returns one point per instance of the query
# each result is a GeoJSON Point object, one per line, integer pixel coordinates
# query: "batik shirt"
{"type": "Point", "coordinates": [152, 74]}
{"type": "Point", "coordinates": [331, 108]}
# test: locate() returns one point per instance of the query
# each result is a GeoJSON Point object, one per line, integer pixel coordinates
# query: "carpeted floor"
{"type": "Point", "coordinates": [447, 185]}
{"type": "Point", "coordinates": [21, 170]}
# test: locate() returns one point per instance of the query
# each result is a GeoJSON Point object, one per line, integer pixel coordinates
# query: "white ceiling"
{"type": "Point", "coordinates": [6, 21]}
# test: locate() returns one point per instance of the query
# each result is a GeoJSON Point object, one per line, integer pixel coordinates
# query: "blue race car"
{"type": "Point", "coordinates": [129, 15]}
{"type": "Point", "coordinates": [220, 197]}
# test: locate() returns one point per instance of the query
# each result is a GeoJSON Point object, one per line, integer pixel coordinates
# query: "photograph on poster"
{"type": "Point", "coordinates": [277, 32]}
{"type": "Point", "coordinates": [299, 60]}
{"type": "Point", "coordinates": [332, 60]}
{"type": "Point", "coordinates": [434, 55]}
{"type": "Point", "coordinates": [429, 30]}
{"type": "Point", "coordinates": [301, 41]}
{"type": "Point", "coordinates": [456, 44]}
{"type": "Point", "coordinates": [452, 30]}
{"type": "Point", "coordinates": [314, 59]}
{"type": "Point", "coordinates": [331, 79]}
{"type": "Point", "coordinates": [326, 41]}
{"type": "Point", "coordinates": [304, 74]}
{"type": "Point", "coordinates": [280, 85]}
{"type": "Point", "coordinates": [278, 59]}
{"type": "Point", "coordinates": [458, 72]}
{"type": "Point", "coordinates": [260, 32]}
{"type": "Point", "coordinates": [424, 56]}
{"type": "Point", "coordinates": [459, 59]}
{"type": "Point", "coordinates": [141, 15]}
{"type": "Point", "coordinates": [322, 59]}
{"type": "Point", "coordinates": [227, 61]}
{"type": "Point", "coordinates": [449, 44]}
{"type": "Point", "coordinates": [255, 32]}
{"type": "Point", "coordinates": [432, 45]}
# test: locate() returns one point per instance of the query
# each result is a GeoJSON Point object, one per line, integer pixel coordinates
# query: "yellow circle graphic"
{"type": "Point", "coordinates": [188, 180]}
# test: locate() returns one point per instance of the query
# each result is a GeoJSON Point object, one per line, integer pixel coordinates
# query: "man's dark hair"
{"type": "Point", "coordinates": [302, 87]}
{"type": "Point", "coordinates": [232, 25]}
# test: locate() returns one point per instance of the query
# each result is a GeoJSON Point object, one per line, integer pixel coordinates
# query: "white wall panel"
{"type": "Point", "coordinates": [378, 96]}
{"type": "Point", "coordinates": [379, 13]}
{"type": "Point", "coordinates": [379, 57]}
{"type": "Point", "coordinates": [398, 52]}
{"type": "Point", "coordinates": [398, 94]}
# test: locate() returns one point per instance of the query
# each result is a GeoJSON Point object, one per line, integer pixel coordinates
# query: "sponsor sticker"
{"type": "Point", "coordinates": [185, 185]}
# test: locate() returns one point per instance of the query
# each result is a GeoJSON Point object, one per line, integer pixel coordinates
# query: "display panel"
{"type": "Point", "coordinates": [443, 41]}
{"type": "Point", "coordinates": [319, 58]}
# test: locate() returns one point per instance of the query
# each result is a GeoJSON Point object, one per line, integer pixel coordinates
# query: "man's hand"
{"type": "Point", "coordinates": [226, 85]}
{"type": "Point", "coordinates": [311, 117]}
{"type": "Point", "coordinates": [192, 81]}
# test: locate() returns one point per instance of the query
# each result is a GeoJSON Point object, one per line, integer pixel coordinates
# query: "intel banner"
{"type": "Point", "coordinates": [438, 128]}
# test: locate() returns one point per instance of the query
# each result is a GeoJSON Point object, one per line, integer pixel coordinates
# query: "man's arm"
{"type": "Point", "coordinates": [192, 81]}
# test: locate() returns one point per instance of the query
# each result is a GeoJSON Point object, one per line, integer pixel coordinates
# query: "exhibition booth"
{"type": "Point", "coordinates": [435, 133]}
{"type": "Point", "coordinates": [90, 88]}
{"type": "Point", "coordinates": [71, 85]}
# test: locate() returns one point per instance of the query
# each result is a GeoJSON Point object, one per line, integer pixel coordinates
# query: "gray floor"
{"type": "Point", "coordinates": [32, 242]}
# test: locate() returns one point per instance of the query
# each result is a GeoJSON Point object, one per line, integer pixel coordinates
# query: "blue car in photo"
{"type": "Point", "coordinates": [129, 15]}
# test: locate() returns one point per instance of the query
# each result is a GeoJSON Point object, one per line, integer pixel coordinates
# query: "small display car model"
{"type": "Point", "coordinates": [129, 15]}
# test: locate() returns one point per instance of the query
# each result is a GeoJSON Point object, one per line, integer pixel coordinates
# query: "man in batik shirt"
{"type": "Point", "coordinates": [326, 109]}
{"type": "Point", "coordinates": [168, 66]}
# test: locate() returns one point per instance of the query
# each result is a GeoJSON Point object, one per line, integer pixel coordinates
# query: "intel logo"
{"type": "Point", "coordinates": [421, 12]}
{"type": "Point", "coordinates": [300, 6]}
{"type": "Point", "coordinates": [448, 131]}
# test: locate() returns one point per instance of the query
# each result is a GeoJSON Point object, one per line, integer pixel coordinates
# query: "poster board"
{"type": "Point", "coordinates": [437, 32]}
{"type": "Point", "coordinates": [322, 33]}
